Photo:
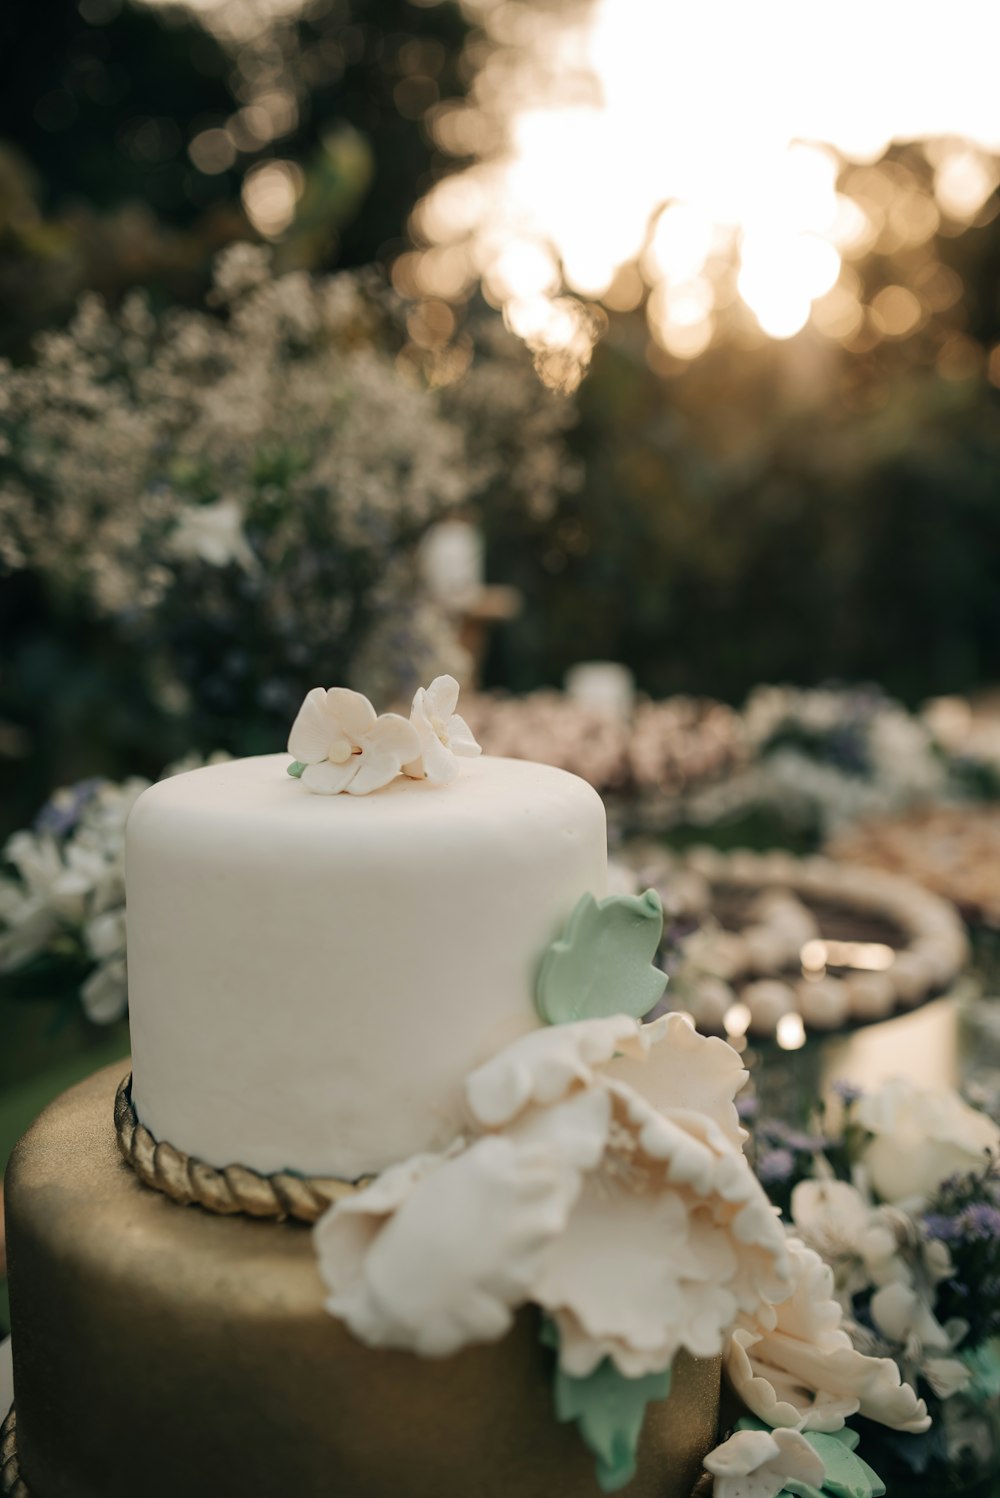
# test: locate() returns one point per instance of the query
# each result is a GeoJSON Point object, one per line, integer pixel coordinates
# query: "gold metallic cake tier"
{"type": "Point", "coordinates": [162, 1351]}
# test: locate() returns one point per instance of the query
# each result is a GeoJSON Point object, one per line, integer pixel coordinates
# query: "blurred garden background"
{"type": "Point", "coordinates": [638, 364]}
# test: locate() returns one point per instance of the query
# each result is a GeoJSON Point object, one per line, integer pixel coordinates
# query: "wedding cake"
{"type": "Point", "coordinates": [438, 1210]}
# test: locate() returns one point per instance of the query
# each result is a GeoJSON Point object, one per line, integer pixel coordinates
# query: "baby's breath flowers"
{"type": "Point", "coordinates": [241, 492]}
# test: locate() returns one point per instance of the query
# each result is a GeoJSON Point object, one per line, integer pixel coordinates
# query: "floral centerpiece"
{"type": "Point", "coordinates": [895, 1195]}
{"type": "Point", "coordinates": [235, 493]}
{"type": "Point", "coordinates": [823, 757]}
{"type": "Point", "coordinates": [62, 897]}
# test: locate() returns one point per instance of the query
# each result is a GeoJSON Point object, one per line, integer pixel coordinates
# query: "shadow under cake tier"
{"type": "Point", "coordinates": [163, 1351]}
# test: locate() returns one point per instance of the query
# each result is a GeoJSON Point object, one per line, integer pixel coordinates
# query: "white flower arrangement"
{"type": "Point", "coordinates": [264, 473]}
{"type": "Point", "coordinates": [893, 1207]}
{"type": "Point", "coordinates": [65, 895]}
{"type": "Point", "coordinates": [825, 757]}
{"type": "Point", "coordinates": [62, 901]}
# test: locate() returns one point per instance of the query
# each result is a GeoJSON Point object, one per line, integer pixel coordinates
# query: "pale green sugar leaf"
{"type": "Point", "coordinates": [609, 1410]}
{"type": "Point", "coordinates": [602, 963]}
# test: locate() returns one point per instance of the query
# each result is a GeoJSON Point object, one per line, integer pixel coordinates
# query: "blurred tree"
{"type": "Point", "coordinates": [793, 513]}
{"type": "Point", "coordinates": [128, 132]}
{"type": "Point", "coordinates": [103, 99]}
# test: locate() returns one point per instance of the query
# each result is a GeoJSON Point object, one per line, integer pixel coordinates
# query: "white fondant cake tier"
{"type": "Point", "coordinates": [312, 977]}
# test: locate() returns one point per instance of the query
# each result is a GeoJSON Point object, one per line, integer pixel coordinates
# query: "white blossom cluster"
{"type": "Point", "coordinates": [827, 757]}
{"type": "Point", "coordinates": [880, 1241]}
{"type": "Point", "coordinates": [268, 467]}
{"type": "Point", "coordinates": [62, 896]}
{"type": "Point", "coordinates": [878, 1250]}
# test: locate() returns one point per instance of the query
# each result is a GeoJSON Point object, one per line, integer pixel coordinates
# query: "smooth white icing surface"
{"type": "Point", "coordinates": [311, 978]}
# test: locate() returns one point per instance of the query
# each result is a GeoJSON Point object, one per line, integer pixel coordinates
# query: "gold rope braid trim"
{"type": "Point", "coordinates": [12, 1484]}
{"type": "Point", "coordinates": [232, 1189]}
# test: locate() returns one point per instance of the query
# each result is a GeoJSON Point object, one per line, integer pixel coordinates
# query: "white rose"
{"type": "Point", "coordinates": [921, 1137]}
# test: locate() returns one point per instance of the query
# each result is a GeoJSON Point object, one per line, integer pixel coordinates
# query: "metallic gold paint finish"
{"type": "Point", "coordinates": [164, 1351]}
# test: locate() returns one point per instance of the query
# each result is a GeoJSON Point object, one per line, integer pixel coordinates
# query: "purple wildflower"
{"type": "Point", "coordinates": [981, 1221]}
{"type": "Point", "coordinates": [778, 1132]}
{"type": "Point", "coordinates": [806, 1144]}
{"type": "Point", "coordinates": [848, 1092]}
{"type": "Point", "coordinates": [939, 1225]}
{"type": "Point", "coordinates": [775, 1166]}
{"type": "Point", "coordinates": [59, 816]}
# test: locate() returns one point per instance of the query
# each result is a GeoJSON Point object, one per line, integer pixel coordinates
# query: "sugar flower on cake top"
{"type": "Point", "coordinates": [444, 736]}
{"type": "Point", "coordinates": [341, 744]}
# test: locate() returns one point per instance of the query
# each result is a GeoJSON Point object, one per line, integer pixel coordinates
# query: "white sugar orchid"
{"type": "Point", "coordinates": [443, 735]}
{"type": "Point", "coordinates": [793, 1364]}
{"type": "Point", "coordinates": [346, 746]}
{"type": "Point", "coordinates": [762, 1463]}
{"type": "Point", "coordinates": [603, 1179]}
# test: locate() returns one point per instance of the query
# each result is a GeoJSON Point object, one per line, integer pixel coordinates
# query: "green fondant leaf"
{"type": "Point", "coordinates": [609, 1410]}
{"type": "Point", "coordinates": [295, 769]}
{"type": "Point", "coordinates": [602, 963]}
{"type": "Point", "coordinates": [847, 1476]}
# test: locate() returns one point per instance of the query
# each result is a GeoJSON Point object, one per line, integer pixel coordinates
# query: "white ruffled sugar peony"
{"type": "Point", "coordinates": [793, 1364]}
{"type": "Point", "coordinates": [346, 746]}
{"type": "Point", "coordinates": [603, 1180]}
{"type": "Point", "coordinates": [444, 737]}
{"type": "Point", "coordinates": [921, 1136]}
{"type": "Point", "coordinates": [761, 1464]}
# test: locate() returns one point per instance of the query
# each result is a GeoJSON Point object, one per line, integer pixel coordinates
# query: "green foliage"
{"type": "Point", "coordinates": [732, 529]}
{"type": "Point", "coordinates": [602, 964]}
{"type": "Point", "coordinates": [609, 1410]}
